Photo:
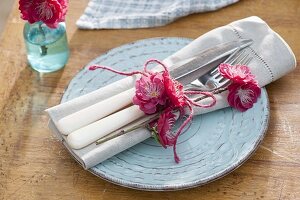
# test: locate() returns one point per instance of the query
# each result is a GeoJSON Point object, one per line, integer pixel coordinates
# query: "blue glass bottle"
{"type": "Point", "coordinates": [47, 48]}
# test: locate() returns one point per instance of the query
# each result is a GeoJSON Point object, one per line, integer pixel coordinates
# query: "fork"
{"type": "Point", "coordinates": [213, 80]}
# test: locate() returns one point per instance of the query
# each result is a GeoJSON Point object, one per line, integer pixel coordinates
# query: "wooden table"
{"type": "Point", "coordinates": [34, 165]}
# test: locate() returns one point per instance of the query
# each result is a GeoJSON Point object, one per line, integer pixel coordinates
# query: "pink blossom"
{"type": "Point", "coordinates": [24, 6]}
{"type": "Point", "coordinates": [150, 93]}
{"type": "Point", "coordinates": [243, 96]}
{"type": "Point", "coordinates": [236, 73]}
{"type": "Point", "coordinates": [164, 128]}
{"type": "Point", "coordinates": [47, 11]}
{"type": "Point", "coordinates": [174, 91]}
{"type": "Point", "coordinates": [64, 7]}
{"type": "Point", "coordinates": [51, 12]}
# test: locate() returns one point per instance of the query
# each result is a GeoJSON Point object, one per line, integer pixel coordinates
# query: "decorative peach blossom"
{"type": "Point", "coordinates": [174, 91]}
{"type": "Point", "coordinates": [64, 7]}
{"type": "Point", "coordinates": [24, 7]}
{"type": "Point", "coordinates": [236, 73]}
{"type": "Point", "coordinates": [243, 96]}
{"type": "Point", "coordinates": [165, 124]}
{"type": "Point", "coordinates": [150, 93]}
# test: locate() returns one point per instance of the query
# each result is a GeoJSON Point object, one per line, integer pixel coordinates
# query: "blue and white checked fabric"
{"type": "Point", "coordinates": [126, 14]}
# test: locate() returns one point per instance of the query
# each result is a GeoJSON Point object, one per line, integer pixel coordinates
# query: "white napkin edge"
{"type": "Point", "coordinates": [87, 159]}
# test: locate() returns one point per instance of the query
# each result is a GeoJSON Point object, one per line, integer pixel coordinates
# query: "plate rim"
{"type": "Point", "coordinates": [176, 187]}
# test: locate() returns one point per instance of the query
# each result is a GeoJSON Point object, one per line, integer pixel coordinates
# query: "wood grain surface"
{"type": "Point", "coordinates": [34, 165]}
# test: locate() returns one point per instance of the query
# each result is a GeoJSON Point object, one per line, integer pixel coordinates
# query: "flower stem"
{"type": "Point", "coordinates": [142, 123]}
{"type": "Point", "coordinates": [218, 91]}
{"type": "Point", "coordinates": [43, 49]}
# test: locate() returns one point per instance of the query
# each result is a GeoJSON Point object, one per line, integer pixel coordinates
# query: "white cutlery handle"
{"type": "Point", "coordinates": [91, 133]}
{"type": "Point", "coordinates": [94, 112]}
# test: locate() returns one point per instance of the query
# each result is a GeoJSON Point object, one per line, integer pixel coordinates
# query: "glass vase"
{"type": "Point", "coordinates": [47, 48]}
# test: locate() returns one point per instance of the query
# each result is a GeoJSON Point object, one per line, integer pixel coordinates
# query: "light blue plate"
{"type": "Point", "coordinates": [216, 143]}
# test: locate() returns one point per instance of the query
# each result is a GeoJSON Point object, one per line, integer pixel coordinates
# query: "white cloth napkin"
{"type": "Point", "coordinates": [272, 59]}
{"type": "Point", "coordinates": [113, 14]}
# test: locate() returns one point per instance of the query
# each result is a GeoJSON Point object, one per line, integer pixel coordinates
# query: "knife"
{"type": "Point", "coordinates": [192, 68]}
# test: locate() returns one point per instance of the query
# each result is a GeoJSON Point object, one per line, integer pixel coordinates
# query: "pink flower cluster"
{"type": "Point", "coordinates": [158, 91]}
{"type": "Point", "coordinates": [51, 12]}
{"type": "Point", "coordinates": [150, 93]}
{"type": "Point", "coordinates": [243, 90]}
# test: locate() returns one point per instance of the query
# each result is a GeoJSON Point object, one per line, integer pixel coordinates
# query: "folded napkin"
{"type": "Point", "coordinates": [272, 59]}
{"type": "Point", "coordinates": [103, 14]}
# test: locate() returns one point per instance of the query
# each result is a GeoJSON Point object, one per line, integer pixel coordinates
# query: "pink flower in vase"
{"type": "Point", "coordinates": [47, 11]}
{"type": "Point", "coordinates": [150, 93]}
{"type": "Point", "coordinates": [64, 7]}
{"type": "Point", "coordinates": [24, 7]}
{"type": "Point", "coordinates": [243, 96]}
{"type": "Point", "coordinates": [51, 12]}
{"type": "Point", "coordinates": [236, 73]}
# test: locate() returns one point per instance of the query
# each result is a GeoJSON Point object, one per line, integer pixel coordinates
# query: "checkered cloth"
{"type": "Point", "coordinates": [126, 14]}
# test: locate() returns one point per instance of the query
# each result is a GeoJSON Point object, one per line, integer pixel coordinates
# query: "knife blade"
{"type": "Point", "coordinates": [188, 70]}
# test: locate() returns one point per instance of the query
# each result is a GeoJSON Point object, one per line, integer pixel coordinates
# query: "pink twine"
{"type": "Point", "coordinates": [176, 158]}
{"type": "Point", "coordinates": [94, 67]}
{"type": "Point", "coordinates": [155, 61]}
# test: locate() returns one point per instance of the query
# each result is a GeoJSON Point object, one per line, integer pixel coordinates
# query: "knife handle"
{"type": "Point", "coordinates": [95, 112]}
{"type": "Point", "coordinates": [92, 132]}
